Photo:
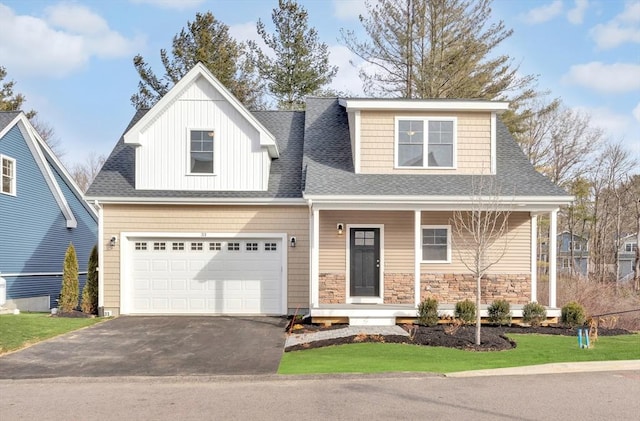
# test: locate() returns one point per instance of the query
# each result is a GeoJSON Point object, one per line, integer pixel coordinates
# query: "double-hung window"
{"type": "Point", "coordinates": [201, 152]}
{"type": "Point", "coordinates": [425, 142]}
{"type": "Point", "coordinates": [436, 244]}
{"type": "Point", "coordinates": [8, 184]}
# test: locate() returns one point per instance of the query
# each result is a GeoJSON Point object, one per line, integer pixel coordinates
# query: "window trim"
{"type": "Point", "coordinates": [425, 162]}
{"type": "Point", "coordinates": [215, 152]}
{"type": "Point", "coordinates": [449, 245]}
{"type": "Point", "coordinates": [12, 188]}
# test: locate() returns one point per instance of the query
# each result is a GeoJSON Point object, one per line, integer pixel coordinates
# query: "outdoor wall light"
{"type": "Point", "coordinates": [293, 241]}
{"type": "Point", "coordinates": [340, 228]}
{"type": "Point", "coordinates": [113, 241]}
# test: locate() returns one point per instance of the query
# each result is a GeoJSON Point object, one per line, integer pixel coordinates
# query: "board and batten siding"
{"type": "Point", "coordinates": [377, 139]}
{"type": "Point", "coordinates": [33, 230]}
{"type": "Point", "coordinates": [293, 220]}
{"type": "Point", "coordinates": [398, 239]}
{"type": "Point", "coordinates": [162, 162]}
{"type": "Point", "coordinates": [516, 260]}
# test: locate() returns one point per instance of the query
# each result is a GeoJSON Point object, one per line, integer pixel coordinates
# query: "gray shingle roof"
{"type": "Point", "coordinates": [7, 117]}
{"type": "Point", "coordinates": [117, 176]}
{"type": "Point", "coordinates": [329, 168]}
{"type": "Point", "coordinates": [315, 156]}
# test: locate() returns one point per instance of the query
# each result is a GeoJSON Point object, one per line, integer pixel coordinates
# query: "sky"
{"type": "Point", "coordinates": [72, 60]}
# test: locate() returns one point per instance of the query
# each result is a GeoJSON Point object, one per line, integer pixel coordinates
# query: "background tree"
{"type": "Point", "coordinates": [208, 41]}
{"type": "Point", "coordinates": [439, 49]}
{"type": "Point", "coordinates": [301, 63]}
{"type": "Point", "coordinates": [480, 234]}
{"type": "Point", "coordinates": [69, 292]}
{"type": "Point", "coordinates": [90, 290]}
{"type": "Point", "coordinates": [84, 173]}
{"type": "Point", "coordinates": [11, 101]}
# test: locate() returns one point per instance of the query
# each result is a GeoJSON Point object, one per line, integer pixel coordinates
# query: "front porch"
{"type": "Point", "coordinates": [391, 314]}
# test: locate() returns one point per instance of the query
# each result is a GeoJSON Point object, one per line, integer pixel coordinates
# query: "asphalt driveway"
{"type": "Point", "coordinates": [155, 346]}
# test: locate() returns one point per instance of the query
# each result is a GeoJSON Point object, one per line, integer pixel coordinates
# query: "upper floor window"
{"type": "Point", "coordinates": [426, 142]}
{"type": "Point", "coordinates": [201, 152]}
{"type": "Point", "coordinates": [630, 247]}
{"type": "Point", "coordinates": [8, 185]}
{"type": "Point", "coordinates": [575, 245]}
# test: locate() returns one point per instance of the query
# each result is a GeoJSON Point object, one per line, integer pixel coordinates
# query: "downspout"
{"type": "Point", "coordinates": [100, 257]}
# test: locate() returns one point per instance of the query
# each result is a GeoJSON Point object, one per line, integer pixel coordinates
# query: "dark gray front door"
{"type": "Point", "coordinates": [365, 262]}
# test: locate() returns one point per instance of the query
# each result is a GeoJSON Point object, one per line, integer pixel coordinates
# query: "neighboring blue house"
{"type": "Point", "coordinates": [627, 256]}
{"type": "Point", "coordinates": [41, 211]}
{"type": "Point", "coordinates": [580, 247]}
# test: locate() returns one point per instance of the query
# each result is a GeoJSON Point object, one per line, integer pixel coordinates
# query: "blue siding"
{"type": "Point", "coordinates": [33, 232]}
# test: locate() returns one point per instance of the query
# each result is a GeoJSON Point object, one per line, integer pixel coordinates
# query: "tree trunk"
{"type": "Point", "coordinates": [478, 294]}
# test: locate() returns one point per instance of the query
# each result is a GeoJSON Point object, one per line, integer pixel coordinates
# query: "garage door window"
{"type": "Point", "coordinates": [270, 247]}
{"type": "Point", "coordinates": [159, 246]}
{"type": "Point", "coordinates": [251, 246]}
{"type": "Point", "coordinates": [178, 246]}
{"type": "Point", "coordinates": [140, 245]}
{"type": "Point", "coordinates": [196, 246]}
{"type": "Point", "coordinates": [233, 246]}
{"type": "Point", "coordinates": [215, 246]}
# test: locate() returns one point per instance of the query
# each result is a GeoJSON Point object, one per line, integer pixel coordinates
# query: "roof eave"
{"type": "Point", "coordinates": [423, 105]}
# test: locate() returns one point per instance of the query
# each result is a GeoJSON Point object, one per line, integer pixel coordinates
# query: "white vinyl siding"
{"type": "Point", "coordinates": [8, 185]}
{"type": "Point", "coordinates": [163, 162]}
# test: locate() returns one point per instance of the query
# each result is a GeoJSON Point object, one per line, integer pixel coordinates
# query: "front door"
{"type": "Point", "coordinates": [365, 262]}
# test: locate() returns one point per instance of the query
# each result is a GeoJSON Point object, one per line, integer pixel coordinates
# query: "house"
{"type": "Point", "coordinates": [627, 256]}
{"type": "Point", "coordinates": [573, 254]}
{"type": "Point", "coordinates": [42, 211]}
{"type": "Point", "coordinates": [341, 211]}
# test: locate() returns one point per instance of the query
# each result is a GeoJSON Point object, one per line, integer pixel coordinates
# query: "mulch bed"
{"type": "Point", "coordinates": [493, 338]}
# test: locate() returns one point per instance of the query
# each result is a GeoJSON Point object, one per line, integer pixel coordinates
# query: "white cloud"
{"type": "Point", "coordinates": [543, 13]}
{"type": "Point", "coordinates": [576, 15]}
{"type": "Point", "coordinates": [636, 112]}
{"type": "Point", "coordinates": [606, 78]}
{"type": "Point", "coordinates": [170, 4]}
{"type": "Point", "coordinates": [347, 79]}
{"type": "Point", "coordinates": [616, 127]}
{"type": "Point", "coordinates": [349, 9]}
{"type": "Point", "coordinates": [622, 29]}
{"type": "Point", "coordinates": [60, 43]}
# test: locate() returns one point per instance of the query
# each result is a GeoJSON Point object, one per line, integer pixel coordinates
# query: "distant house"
{"type": "Point", "coordinates": [42, 211]}
{"type": "Point", "coordinates": [573, 254]}
{"type": "Point", "coordinates": [627, 256]}
{"type": "Point", "coordinates": [342, 211]}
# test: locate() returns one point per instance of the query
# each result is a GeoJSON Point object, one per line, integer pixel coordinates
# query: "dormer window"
{"type": "Point", "coordinates": [430, 148]}
{"type": "Point", "coordinates": [201, 152]}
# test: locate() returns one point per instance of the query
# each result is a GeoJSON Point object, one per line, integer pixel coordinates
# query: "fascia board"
{"type": "Point", "coordinates": [133, 135]}
{"type": "Point", "coordinates": [422, 105]}
{"type": "Point", "coordinates": [448, 202]}
{"type": "Point", "coordinates": [197, 201]}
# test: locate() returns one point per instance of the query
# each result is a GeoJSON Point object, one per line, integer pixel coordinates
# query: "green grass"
{"type": "Point", "coordinates": [18, 331]}
{"type": "Point", "coordinates": [531, 350]}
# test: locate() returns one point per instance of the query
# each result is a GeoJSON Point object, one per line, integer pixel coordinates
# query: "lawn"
{"type": "Point", "coordinates": [531, 350]}
{"type": "Point", "coordinates": [18, 331]}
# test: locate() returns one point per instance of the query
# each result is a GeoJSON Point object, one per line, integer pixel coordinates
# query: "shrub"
{"type": "Point", "coordinates": [533, 313]}
{"type": "Point", "coordinates": [500, 312]}
{"type": "Point", "coordinates": [69, 292]}
{"type": "Point", "coordinates": [428, 312]}
{"type": "Point", "coordinates": [573, 314]}
{"type": "Point", "coordinates": [90, 290]}
{"type": "Point", "coordinates": [466, 311]}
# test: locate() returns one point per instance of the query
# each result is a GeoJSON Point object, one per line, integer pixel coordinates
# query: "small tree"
{"type": "Point", "coordinates": [480, 234]}
{"type": "Point", "coordinates": [90, 290]}
{"type": "Point", "coordinates": [69, 292]}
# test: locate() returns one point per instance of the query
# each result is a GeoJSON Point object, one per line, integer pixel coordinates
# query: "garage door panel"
{"type": "Point", "coordinates": [213, 276]}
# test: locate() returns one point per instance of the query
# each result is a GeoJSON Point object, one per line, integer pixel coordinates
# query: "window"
{"type": "Point", "coordinates": [437, 144]}
{"type": "Point", "coordinates": [201, 152]}
{"type": "Point", "coordinates": [215, 246]}
{"type": "Point", "coordinates": [177, 246]}
{"type": "Point", "coordinates": [233, 246]}
{"type": "Point", "coordinates": [141, 245]}
{"type": "Point", "coordinates": [8, 185]}
{"type": "Point", "coordinates": [436, 244]}
{"type": "Point", "coordinates": [159, 246]}
{"type": "Point", "coordinates": [251, 246]}
{"type": "Point", "coordinates": [565, 263]}
{"type": "Point", "coordinates": [196, 246]}
{"type": "Point", "coordinates": [575, 246]}
{"type": "Point", "coordinates": [630, 247]}
{"type": "Point", "coordinates": [270, 247]}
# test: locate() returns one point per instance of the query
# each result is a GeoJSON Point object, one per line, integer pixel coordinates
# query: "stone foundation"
{"type": "Point", "coordinates": [451, 288]}
{"type": "Point", "coordinates": [398, 288]}
{"type": "Point", "coordinates": [332, 288]}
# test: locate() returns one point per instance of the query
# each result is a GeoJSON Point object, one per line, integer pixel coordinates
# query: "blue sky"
{"type": "Point", "coordinates": [73, 60]}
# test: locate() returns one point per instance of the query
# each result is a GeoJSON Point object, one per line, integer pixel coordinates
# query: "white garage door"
{"type": "Point", "coordinates": [212, 276]}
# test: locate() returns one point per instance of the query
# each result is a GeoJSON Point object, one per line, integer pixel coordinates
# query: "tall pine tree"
{"type": "Point", "coordinates": [300, 66]}
{"type": "Point", "coordinates": [205, 40]}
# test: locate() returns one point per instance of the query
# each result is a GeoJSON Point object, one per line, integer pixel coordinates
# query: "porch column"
{"type": "Point", "coordinates": [314, 258]}
{"type": "Point", "coordinates": [553, 228]}
{"type": "Point", "coordinates": [417, 256]}
{"type": "Point", "coordinates": [534, 257]}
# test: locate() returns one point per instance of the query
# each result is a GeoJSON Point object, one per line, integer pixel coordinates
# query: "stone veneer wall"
{"type": "Point", "coordinates": [332, 288]}
{"type": "Point", "coordinates": [398, 288]}
{"type": "Point", "coordinates": [451, 288]}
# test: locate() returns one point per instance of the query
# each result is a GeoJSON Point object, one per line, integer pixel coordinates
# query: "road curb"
{"type": "Point", "coordinates": [553, 368]}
